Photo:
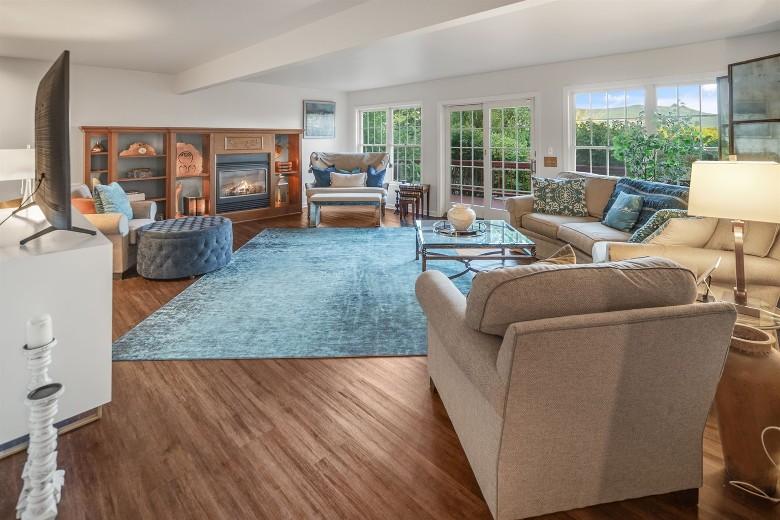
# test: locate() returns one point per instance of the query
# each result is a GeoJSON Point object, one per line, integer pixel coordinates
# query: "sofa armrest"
{"type": "Point", "coordinates": [145, 209]}
{"type": "Point", "coordinates": [474, 352]}
{"type": "Point", "coordinates": [109, 223]}
{"type": "Point", "coordinates": [517, 207]}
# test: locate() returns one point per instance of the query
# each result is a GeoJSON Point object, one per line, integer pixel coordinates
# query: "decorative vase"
{"type": "Point", "coordinates": [461, 216]}
{"type": "Point", "coordinates": [747, 401]}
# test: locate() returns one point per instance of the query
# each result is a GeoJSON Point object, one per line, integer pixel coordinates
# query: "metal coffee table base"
{"type": "Point", "coordinates": [467, 259]}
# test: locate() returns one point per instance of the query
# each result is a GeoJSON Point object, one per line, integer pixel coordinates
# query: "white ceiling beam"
{"type": "Point", "coordinates": [363, 24]}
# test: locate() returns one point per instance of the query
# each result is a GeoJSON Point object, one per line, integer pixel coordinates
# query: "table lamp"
{"type": "Point", "coordinates": [740, 191]}
{"type": "Point", "coordinates": [18, 165]}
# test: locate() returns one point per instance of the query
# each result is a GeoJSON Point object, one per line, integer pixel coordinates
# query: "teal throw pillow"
{"type": "Point", "coordinates": [113, 199]}
{"type": "Point", "coordinates": [559, 196]}
{"type": "Point", "coordinates": [375, 179]}
{"type": "Point", "coordinates": [624, 212]}
{"type": "Point", "coordinates": [656, 222]}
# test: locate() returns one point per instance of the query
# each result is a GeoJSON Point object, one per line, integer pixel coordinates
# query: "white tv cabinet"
{"type": "Point", "coordinates": [66, 275]}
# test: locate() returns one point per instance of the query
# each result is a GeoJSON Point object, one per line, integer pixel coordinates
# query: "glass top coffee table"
{"type": "Point", "coordinates": [438, 241]}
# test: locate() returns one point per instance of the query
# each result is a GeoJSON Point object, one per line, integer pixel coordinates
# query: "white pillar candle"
{"type": "Point", "coordinates": [39, 331]}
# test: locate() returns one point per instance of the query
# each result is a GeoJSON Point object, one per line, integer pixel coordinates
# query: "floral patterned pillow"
{"type": "Point", "coordinates": [559, 196]}
{"type": "Point", "coordinates": [656, 222]}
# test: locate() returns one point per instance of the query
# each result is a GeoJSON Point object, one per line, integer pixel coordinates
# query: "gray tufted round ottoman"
{"type": "Point", "coordinates": [177, 248]}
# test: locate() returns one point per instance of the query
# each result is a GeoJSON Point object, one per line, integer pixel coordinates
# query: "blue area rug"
{"type": "Point", "coordinates": [295, 293]}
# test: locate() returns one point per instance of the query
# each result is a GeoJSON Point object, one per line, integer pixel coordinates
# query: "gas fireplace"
{"type": "Point", "coordinates": [241, 186]}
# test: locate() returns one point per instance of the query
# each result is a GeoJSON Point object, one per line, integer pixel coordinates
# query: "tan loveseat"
{"type": "Point", "coordinates": [591, 386]}
{"type": "Point", "coordinates": [694, 244]}
{"type": "Point", "coordinates": [118, 229]}
{"type": "Point", "coordinates": [349, 162]}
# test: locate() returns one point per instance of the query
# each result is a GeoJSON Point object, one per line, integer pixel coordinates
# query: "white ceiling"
{"type": "Point", "coordinates": [359, 44]}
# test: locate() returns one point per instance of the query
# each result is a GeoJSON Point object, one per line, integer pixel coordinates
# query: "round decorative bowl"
{"type": "Point", "coordinates": [461, 216]}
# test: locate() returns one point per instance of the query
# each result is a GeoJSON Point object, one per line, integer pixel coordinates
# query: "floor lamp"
{"type": "Point", "coordinates": [740, 191]}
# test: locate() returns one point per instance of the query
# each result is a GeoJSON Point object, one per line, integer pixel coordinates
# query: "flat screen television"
{"type": "Point", "coordinates": [52, 149]}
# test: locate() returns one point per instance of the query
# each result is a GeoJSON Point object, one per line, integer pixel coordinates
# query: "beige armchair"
{"type": "Point", "coordinates": [575, 385]}
{"type": "Point", "coordinates": [118, 229]}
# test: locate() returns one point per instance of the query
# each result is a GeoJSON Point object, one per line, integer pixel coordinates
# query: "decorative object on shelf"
{"type": "Point", "coordinates": [747, 403]}
{"type": "Point", "coordinates": [134, 196]}
{"type": "Point", "coordinates": [179, 187]}
{"type": "Point", "coordinates": [278, 149]}
{"type": "Point", "coordinates": [139, 173]}
{"type": "Point", "coordinates": [319, 119]}
{"type": "Point", "coordinates": [97, 148]}
{"type": "Point", "coordinates": [138, 149]}
{"type": "Point", "coordinates": [461, 216]}
{"type": "Point", "coordinates": [195, 206]}
{"type": "Point", "coordinates": [283, 166]}
{"type": "Point", "coordinates": [188, 160]}
{"type": "Point", "coordinates": [42, 488]}
{"type": "Point", "coordinates": [740, 191]}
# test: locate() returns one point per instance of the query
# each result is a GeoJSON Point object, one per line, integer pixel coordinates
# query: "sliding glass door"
{"type": "Point", "coordinates": [490, 156]}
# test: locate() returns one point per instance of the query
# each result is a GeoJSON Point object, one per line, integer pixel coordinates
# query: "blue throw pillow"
{"type": "Point", "coordinates": [113, 199]}
{"type": "Point", "coordinates": [624, 212]}
{"type": "Point", "coordinates": [322, 175]}
{"type": "Point", "coordinates": [655, 196]}
{"type": "Point", "coordinates": [375, 179]}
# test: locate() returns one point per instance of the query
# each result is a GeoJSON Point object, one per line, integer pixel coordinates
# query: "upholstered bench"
{"type": "Point", "coordinates": [343, 199]}
{"type": "Point", "coordinates": [182, 247]}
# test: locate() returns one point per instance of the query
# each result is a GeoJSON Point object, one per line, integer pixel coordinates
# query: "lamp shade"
{"type": "Point", "coordinates": [17, 164]}
{"type": "Point", "coordinates": [736, 190]}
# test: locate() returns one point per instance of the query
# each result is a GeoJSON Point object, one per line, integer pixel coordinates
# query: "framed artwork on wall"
{"type": "Point", "coordinates": [319, 119]}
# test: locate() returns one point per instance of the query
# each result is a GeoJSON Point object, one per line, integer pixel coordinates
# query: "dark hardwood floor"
{"type": "Point", "coordinates": [310, 438]}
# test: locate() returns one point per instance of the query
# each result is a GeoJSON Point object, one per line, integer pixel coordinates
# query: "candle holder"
{"type": "Point", "coordinates": [43, 482]}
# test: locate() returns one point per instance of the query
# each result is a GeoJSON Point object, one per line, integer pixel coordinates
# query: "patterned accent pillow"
{"type": "Point", "coordinates": [96, 198]}
{"type": "Point", "coordinates": [563, 256]}
{"type": "Point", "coordinates": [85, 205]}
{"type": "Point", "coordinates": [658, 220]}
{"type": "Point", "coordinates": [322, 175]}
{"type": "Point", "coordinates": [624, 212]}
{"type": "Point", "coordinates": [113, 199]}
{"type": "Point", "coordinates": [655, 196]}
{"type": "Point", "coordinates": [375, 179]}
{"type": "Point", "coordinates": [559, 196]}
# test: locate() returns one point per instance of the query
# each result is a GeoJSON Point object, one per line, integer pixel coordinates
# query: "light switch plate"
{"type": "Point", "coordinates": [551, 162]}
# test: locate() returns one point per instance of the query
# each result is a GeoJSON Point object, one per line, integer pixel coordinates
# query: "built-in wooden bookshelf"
{"type": "Point", "coordinates": [172, 164]}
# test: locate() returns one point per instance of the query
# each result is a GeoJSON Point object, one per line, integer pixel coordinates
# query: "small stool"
{"type": "Point", "coordinates": [184, 247]}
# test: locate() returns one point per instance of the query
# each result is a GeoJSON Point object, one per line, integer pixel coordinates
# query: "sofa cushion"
{"type": "Point", "coordinates": [655, 196]}
{"type": "Point", "coordinates": [347, 180]}
{"type": "Point", "coordinates": [624, 212]}
{"type": "Point", "coordinates": [559, 196]}
{"type": "Point", "coordinates": [113, 199]}
{"type": "Point", "coordinates": [688, 232]}
{"type": "Point", "coordinates": [322, 176]}
{"type": "Point", "coordinates": [501, 297]}
{"type": "Point", "coordinates": [374, 178]}
{"type": "Point", "coordinates": [758, 239]}
{"type": "Point", "coordinates": [85, 205]}
{"type": "Point", "coordinates": [598, 190]}
{"type": "Point", "coordinates": [547, 225]}
{"type": "Point", "coordinates": [582, 235]}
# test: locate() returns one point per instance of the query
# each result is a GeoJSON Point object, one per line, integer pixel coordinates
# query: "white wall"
{"type": "Point", "coordinates": [550, 82]}
{"type": "Point", "coordinates": [100, 96]}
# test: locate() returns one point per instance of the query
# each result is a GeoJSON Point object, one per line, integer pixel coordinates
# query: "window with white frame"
{"type": "Point", "coordinates": [598, 115]}
{"type": "Point", "coordinates": [397, 130]}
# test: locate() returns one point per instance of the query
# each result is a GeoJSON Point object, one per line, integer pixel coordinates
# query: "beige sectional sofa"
{"type": "Point", "coordinates": [563, 397]}
{"type": "Point", "coordinates": [694, 244]}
